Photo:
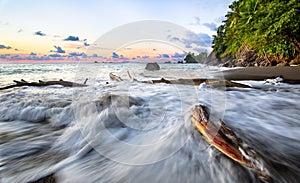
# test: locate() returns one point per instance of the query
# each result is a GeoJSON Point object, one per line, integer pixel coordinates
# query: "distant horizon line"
{"type": "Point", "coordinates": [84, 61]}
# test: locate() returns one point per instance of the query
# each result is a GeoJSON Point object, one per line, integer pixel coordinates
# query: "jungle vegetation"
{"type": "Point", "coordinates": [270, 27]}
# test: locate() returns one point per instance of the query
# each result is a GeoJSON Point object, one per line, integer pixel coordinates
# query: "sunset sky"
{"type": "Point", "coordinates": [67, 30]}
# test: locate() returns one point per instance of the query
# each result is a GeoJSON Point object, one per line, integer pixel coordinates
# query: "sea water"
{"type": "Point", "coordinates": [131, 131]}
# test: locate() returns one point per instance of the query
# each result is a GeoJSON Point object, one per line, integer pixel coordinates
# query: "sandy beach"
{"type": "Point", "coordinates": [290, 74]}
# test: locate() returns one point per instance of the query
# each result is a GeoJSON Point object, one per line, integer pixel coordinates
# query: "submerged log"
{"type": "Point", "coordinates": [226, 141]}
{"type": "Point", "coordinates": [217, 83]}
{"type": "Point", "coordinates": [43, 83]}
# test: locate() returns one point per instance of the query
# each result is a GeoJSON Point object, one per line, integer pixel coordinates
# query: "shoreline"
{"type": "Point", "coordinates": [291, 74]}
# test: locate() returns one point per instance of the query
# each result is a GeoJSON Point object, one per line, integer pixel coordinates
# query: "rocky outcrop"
{"type": "Point", "coordinates": [245, 58]}
{"type": "Point", "coordinates": [213, 60]}
{"type": "Point", "coordinates": [250, 58]}
{"type": "Point", "coordinates": [152, 66]}
{"type": "Point", "coordinates": [295, 61]}
{"type": "Point", "coordinates": [190, 59]}
{"type": "Point", "coordinates": [48, 179]}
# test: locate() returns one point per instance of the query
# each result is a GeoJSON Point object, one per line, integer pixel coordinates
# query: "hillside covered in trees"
{"type": "Point", "coordinates": [259, 33]}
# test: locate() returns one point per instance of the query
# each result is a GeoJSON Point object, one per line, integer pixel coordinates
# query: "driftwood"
{"type": "Point", "coordinates": [44, 83]}
{"type": "Point", "coordinates": [115, 77]}
{"type": "Point", "coordinates": [226, 141]}
{"type": "Point", "coordinates": [217, 83]}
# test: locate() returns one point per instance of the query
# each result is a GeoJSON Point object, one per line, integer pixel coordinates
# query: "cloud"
{"type": "Point", "coordinates": [16, 57]}
{"type": "Point", "coordinates": [178, 55]}
{"type": "Point", "coordinates": [72, 38]}
{"type": "Point", "coordinates": [3, 56]}
{"type": "Point", "coordinates": [200, 50]}
{"type": "Point", "coordinates": [205, 38]}
{"type": "Point", "coordinates": [5, 47]}
{"type": "Point", "coordinates": [196, 21]}
{"type": "Point", "coordinates": [145, 56]}
{"type": "Point", "coordinates": [33, 54]}
{"type": "Point", "coordinates": [39, 33]}
{"type": "Point", "coordinates": [220, 19]}
{"type": "Point", "coordinates": [212, 26]}
{"type": "Point", "coordinates": [58, 50]}
{"type": "Point", "coordinates": [200, 39]}
{"type": "Point", "coordinates": [115, 55]}
{"type": "Point", "coordinates": [173, 38]}
{"type": "Point", "coordinates": [164, 55]}
{"type": "Point", "coordinates": [20, 30]}
{"type": "Point", "coordinates": [192, 40]}
{"type": "Point", "coordinates": [54, 55]}
{"type": "Point", "coordinates": [4, 23]}
{"type": "Point", "coordinates": [76, 54]}
{"type": "Point", "coordinates": [44, 57]}
{"type": "Point", "coordinates": [95, 55]}
{"type": "Point", "coordinates": [32, 57]}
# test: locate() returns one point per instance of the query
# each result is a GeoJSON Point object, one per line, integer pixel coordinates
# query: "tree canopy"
{"type": "Point", "coordinates": [270, 27]}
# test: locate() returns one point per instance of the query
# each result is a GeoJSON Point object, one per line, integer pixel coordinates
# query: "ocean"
{"type": "Point", "coordinates": [130, 131]}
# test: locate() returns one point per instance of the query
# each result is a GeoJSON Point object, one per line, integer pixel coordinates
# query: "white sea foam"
{"type": "Point", "coordinates": [138, 132]}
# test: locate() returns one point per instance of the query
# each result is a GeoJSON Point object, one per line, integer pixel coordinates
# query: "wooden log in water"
{"type": "Point", "coordinates": [227, 142]}
{"type": "Point", "coordinates": [216, 83]}
{"type": "Point", "coordinates": [43, 83]}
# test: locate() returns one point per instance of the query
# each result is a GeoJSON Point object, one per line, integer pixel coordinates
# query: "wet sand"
{"type": "Point", "coordinates": [290, 74]}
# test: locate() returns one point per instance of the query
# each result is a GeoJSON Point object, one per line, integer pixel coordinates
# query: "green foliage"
{"type": "Point", "coordinates": [271, 27]}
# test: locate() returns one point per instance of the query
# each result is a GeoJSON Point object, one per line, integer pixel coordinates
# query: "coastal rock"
{"type": "Point", "coordinates": [295, 61]}
{"type": "Point", "coordinates": [247, 55]}
{"type": "Point", "coordinates": [212, 60]}
{"type": "Point", "coordinates": [282, 64]}
{"type": "Point", "coordinates": [152, 66]}
{"type": "Point", "coordinates": [48, 179]}
{"type": "Point", "coordinates": [190, 59]}
{"type": "Point", "coordinates": [229, 63]}
{"type": "Point", "coordinates": [250, 58]}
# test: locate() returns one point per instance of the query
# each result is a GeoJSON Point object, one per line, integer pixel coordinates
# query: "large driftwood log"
{"type": "Point", "coordinates": [226, 141]}
{"type": "Point", "coordinates": [44, 83]}
{"type": "Point", "coordinates": [217, 83]}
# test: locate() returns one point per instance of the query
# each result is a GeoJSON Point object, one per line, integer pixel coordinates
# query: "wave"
{"type": "Point", "coordinates": [137, 132]}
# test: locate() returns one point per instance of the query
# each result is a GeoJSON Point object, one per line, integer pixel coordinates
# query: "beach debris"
{"type": "Point", "coordinates": [274, 81]}
{"type": "Point", "coordinates": [115, 77]}
{"type": "Point", "coordinates": [227, 142]}
{"type": "Point", "coordinates": [40, 83]}
{"type": "Point", "coordinates": [216, 83]}
{"type": "Point", "coordinates": [131, 78]}
{"type": "Point", "coordinates": [85, 81]}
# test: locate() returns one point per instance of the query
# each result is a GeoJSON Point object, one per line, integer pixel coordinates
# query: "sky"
{"type": "Point", "coordinates": [69, 30]}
